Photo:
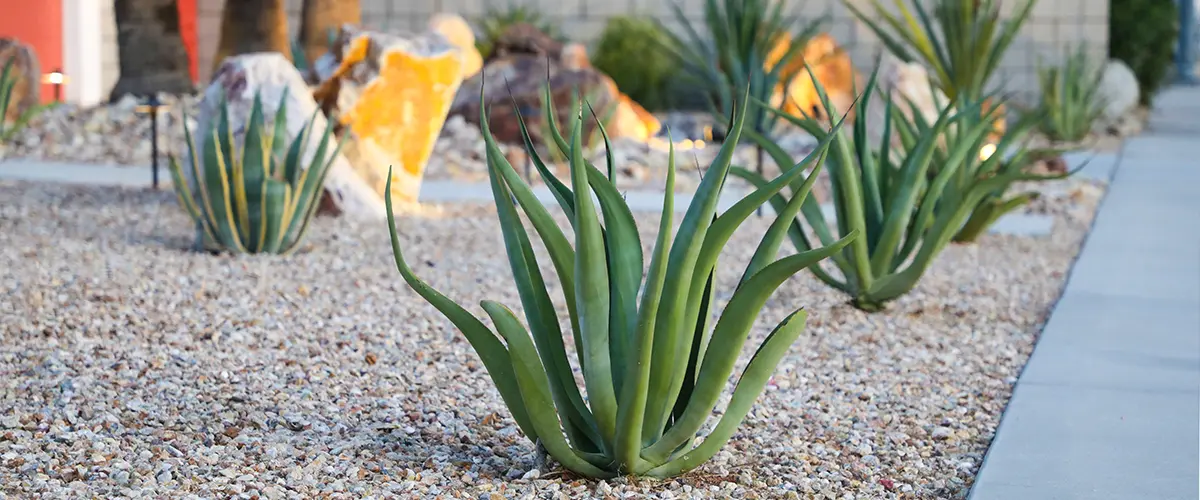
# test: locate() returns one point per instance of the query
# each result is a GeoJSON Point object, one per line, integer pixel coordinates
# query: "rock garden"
{"type": "Point", "coordinates": [822, 298]}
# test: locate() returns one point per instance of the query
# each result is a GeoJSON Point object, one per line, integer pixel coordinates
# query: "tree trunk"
{"type": "Point", "coordinates": [320, 17]}
{"type": "Point", "coordinates": [249, 26]}
{"type": "Point", "coordinates": [152, 55]}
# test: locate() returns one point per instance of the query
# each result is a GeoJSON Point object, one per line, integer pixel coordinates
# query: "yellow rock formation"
{"type": "Point", "coordinates": [400, 107]}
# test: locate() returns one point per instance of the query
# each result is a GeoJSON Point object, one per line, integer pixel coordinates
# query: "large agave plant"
{"type": "Point", "coordinates": [962, 41]}
{"type": "Point", "coordinates": [258, 198]}
{"type": "Point", "coordinates": [905, 213]}
{"type": "Point", "coordinates": [654, 363]}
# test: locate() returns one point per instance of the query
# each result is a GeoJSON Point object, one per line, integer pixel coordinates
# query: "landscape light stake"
{"type": "Point", "coordinates": [57, 79]}
{"type": "Point", "coordinates": [151, 107]}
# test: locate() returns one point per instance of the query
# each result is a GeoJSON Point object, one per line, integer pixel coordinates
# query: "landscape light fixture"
{"type": "Point", "coordinates": [57, 79]}
{"type": "Point", "coordinates": [152, 106]}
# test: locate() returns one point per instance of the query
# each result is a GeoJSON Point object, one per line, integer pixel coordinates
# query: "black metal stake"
{"type": "Point", "coordinates": [153, 103]}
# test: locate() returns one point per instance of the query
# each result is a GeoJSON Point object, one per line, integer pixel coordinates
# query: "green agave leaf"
{"type": "Point", "coordinates": [636, 391]}
{"type": "Point", "coordinates": [535, 391]}
{"type": "Point", "coordinates": [592, 294]}
{"type": "Point", "coordinates": [727, 339]}
{"type": "Point", "coordinates": [750, 386]}
{"type": "Point", "coordinates": [491, 351]}
{"type": "Point", "coordinates": [540, 313]}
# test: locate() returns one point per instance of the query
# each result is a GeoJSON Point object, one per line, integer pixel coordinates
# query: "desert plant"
{"type": "Point", "coordinates": [734, 50]}
{"type": "Point", "coordinates": [560, 151]}
{"type": "Point", "coordinates": [258, 198]}
{"type": "Point", "coordinates": [645, 78]}
{"type": "Point", "coordinates": [1007, 159]}
{"type": "Point", "coordinates": [496, 21]}
{"type": "Point", "coordinates": [1070, 100]}
{"type": "Point", "coordinates": [961, 43]}
{"type": "Point", "coordinates": [1143, 34]}
{"type": "Point", "coordinates": [8, 81]}
{"type": "Point", "coordinates": [654, 366]}
{"type": "Point", "coordinates": [906, 215]}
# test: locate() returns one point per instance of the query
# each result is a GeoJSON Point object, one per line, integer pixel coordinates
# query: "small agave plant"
{"type": "Point", "coordinates": [260, 197]}
{"type": "Point", "coordinates": [654, 363]}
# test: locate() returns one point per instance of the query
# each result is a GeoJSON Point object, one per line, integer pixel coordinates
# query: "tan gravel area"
{"type": "Point", "coordinates": [132, 367]}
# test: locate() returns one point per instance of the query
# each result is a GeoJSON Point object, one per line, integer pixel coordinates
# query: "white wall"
{"type": "Point", "coordinates": [89, 51]}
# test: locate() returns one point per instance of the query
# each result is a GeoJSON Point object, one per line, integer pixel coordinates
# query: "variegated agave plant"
{"type": "Point", "coordinates": [259, 198]}
{"type": "Point", "coordinates": [654, 365]}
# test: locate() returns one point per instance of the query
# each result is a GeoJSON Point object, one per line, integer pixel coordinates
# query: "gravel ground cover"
{"type": "Point", "coordinates": [132, 367]}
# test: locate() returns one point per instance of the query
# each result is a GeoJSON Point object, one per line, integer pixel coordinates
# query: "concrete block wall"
{"type": "Point", "coordinates": [1053, 26]}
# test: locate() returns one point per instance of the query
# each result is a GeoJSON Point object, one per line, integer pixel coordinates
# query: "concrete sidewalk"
{"type": "Point", "coordinates": [1108, 406]}
{"type": "Point", "coordinates": [1098, 166]}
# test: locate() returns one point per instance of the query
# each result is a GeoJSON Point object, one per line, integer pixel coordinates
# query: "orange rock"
{"type": "Point", "coordinates": [831, 66]}
{"type": "Point", "coordinates": [393, 96]}
{"type": "Point", "coordinates": [458, 32]}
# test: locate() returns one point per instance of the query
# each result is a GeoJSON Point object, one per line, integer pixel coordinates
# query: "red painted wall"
{"type": "Point", "coordinates": [38, 23]}
{"type": "Point", "coordinates": [187, 26]}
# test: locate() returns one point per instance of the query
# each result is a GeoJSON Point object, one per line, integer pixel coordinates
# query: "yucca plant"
{"type": "Point", "coordinates": [654, 365]}
{"type": "Point", "coordinates": [259, 197]}
{"type": "Point", "coordinates": [1070, 100]}
{"type": "Point", "coordinates": [961, 42]}
{"type": "Point", "coordinates": [906, 215]}
{"type": "Point", "coordinates": [734, 50]}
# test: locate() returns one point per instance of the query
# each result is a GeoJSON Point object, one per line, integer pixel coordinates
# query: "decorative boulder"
{"type": "Point", "coordinates": [272, 77]}
{"type": "Point", "coordinates": [525, 39]}
{"type": "Point", "coordinates": [27, 91]}
{"type": "Point", "coordinates": [458, 32]}
{"type": "Point", "coordinates": [524, 76]}
{"type": "Point", "coordinates": [531, 59]}
{"type": "Point", "coordinates": [392, 94]}
{"type": "Point", "coordinates": [1119, 89]}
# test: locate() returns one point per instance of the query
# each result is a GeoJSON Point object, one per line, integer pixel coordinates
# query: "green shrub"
{"type": "Point", "coordinates": [905, 214]}
{"type": "Point", "coordinates": [628, 53]}
{"type": "Point", "coordinates": [258, 198]}
{"type": "Point", "coordinates": [654, 366]}
{"type": "Point", "coordinates": [496, 21]}
{"type": "Point", "coordinates": [732, 49]}
{"type": "Point", "coordinates": [1143, 35]}
{"type": "Point", "coordinates": [1070, 101]}
{"type": "Point", "coordinates": [961, 42]}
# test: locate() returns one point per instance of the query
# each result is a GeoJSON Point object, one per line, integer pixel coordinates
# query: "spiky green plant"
{"type": "Point", "coordinates": [654, 366]}
{"type": "Point", "coordinates": [559, 153]}
{"type": "Point", "coordinates": [1070, 100]}
{"type": "Point", "coordinates": [496, 21]}
{"type": "Point", "coordinates": [733, 49]}
{"type": "Point", "coordinates": [999, 164]}
{"type": "Point", "coordinates": [961, 42]}
{"type": "Point", "coordinates": [906, 215]}
{"type": "Point", "coordinates": [257, 198]}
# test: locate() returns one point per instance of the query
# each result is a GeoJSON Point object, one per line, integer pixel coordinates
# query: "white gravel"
{"type": "Point", "coordinates": [131, 367]}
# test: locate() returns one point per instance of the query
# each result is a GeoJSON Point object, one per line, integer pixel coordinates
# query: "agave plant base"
{"type": "Point", "coordinates": [654, 361]}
